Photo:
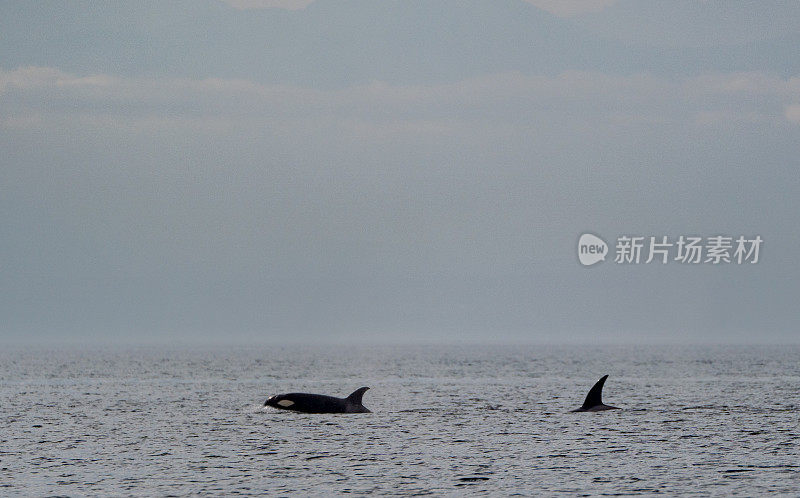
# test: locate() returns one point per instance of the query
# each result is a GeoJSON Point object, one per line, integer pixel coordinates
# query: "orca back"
{"type": "Point", "coordinates": [319, 403]}
{"type": "Point", "coordinates": [315, 403]}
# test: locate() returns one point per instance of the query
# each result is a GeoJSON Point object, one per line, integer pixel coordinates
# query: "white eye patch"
{"type": "Point", "coordinates": [285, 403]}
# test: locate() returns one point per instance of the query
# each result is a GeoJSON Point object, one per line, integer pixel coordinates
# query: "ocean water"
{"type": "Point", "coordinates": [447, 420]}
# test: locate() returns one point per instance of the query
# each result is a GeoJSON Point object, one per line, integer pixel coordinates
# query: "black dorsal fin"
{"type": "Point", "coordinates": [595, 396]}
{"type": "Point", "coordinates": [357, 394]}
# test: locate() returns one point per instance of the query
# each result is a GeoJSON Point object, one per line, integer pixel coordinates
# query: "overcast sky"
{"type": "Point", "coordinates": [395, 169]}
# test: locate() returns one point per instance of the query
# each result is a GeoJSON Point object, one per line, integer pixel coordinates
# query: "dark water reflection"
{"type": "Point", "coordinates": [446, 419]}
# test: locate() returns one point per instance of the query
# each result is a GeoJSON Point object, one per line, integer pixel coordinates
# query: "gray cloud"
{"type": "Point", "coordinates": [391, 170]}
{"type": "Point", "coordinates": [696, 23]}
{"type": "Point", "coordinates": [268, 4]}
{"type": "Point", "coordinates": [334, 44]}
{"type": "Point", "coordinates": [175, 205]}
{"type": "Point", "coordinates": [37, 96]}
{"type": "Point", "coordinates": [558, 7]}
{"type": "Point", "coordinates": [566, 8]}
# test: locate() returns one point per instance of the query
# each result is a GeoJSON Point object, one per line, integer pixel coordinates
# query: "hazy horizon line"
{"type": "Point", "coordinates": [468, 341]}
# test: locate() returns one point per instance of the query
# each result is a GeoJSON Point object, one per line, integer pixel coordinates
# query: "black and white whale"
{"type": "Point", "coordinates": [594, 400]}
{"type": "Point", "coordinates": [319, 403]}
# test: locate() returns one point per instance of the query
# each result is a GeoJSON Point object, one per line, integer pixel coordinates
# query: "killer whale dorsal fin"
{"type": "Point", "coordinates": [357, 395]}
{"type": "Point", "coordinates": [595, 396]}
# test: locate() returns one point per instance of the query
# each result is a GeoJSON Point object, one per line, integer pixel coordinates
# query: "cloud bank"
{"type": "Point", "coordinates": [161, 204]}
{"type": "Point", "coordinates": [48, 96]}
{"type": "Point", "coordinates": [563, 8]}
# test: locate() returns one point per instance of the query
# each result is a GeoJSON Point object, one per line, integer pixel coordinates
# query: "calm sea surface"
{"type": "Point", "coordinates": [446, 420]}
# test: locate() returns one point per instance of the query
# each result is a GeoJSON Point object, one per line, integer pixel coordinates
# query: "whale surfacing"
{"type": "Point", "coordinates": [319, 403]}
{"type": "Point", "coordinates": [594, 400]}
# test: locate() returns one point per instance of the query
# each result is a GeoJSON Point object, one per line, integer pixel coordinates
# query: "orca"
{"type": "Point", "coordinates": [319, 403]}
{"type": "Point", "coordinates": [594, 400]}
